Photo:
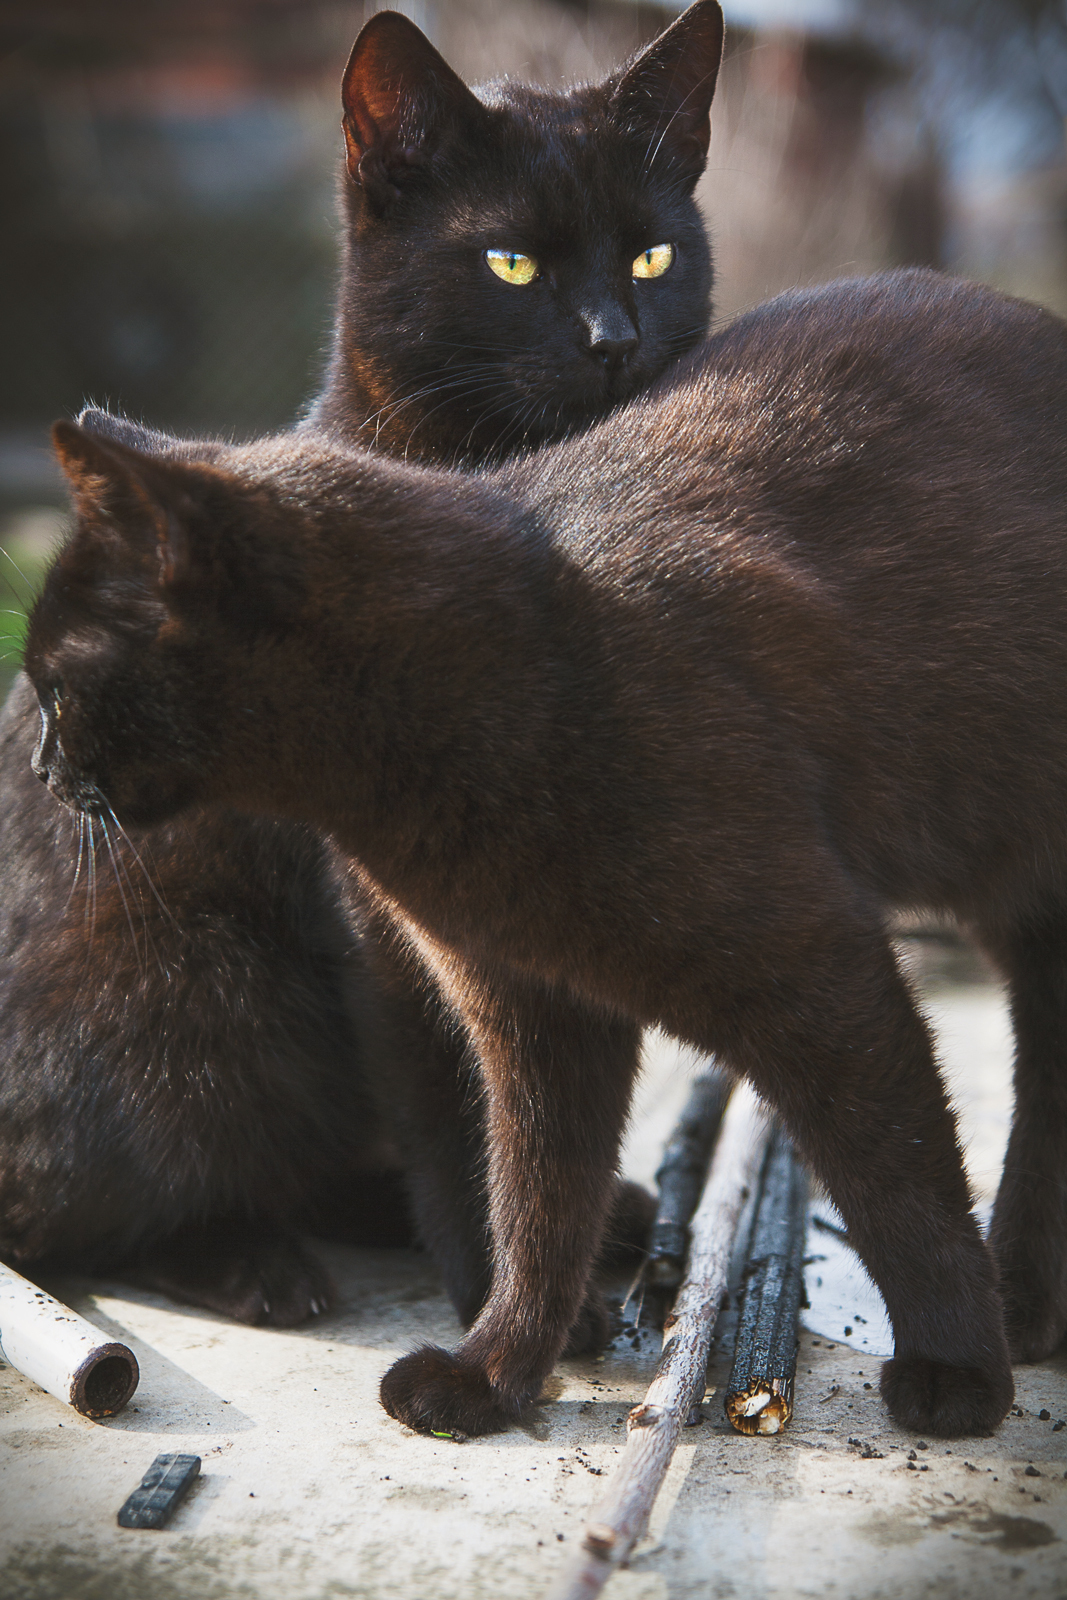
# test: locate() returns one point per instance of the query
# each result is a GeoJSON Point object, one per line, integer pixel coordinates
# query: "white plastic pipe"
{"type": "Point", "coordinates": [46, 1341]}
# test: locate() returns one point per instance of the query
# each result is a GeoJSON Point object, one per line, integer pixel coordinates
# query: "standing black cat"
{"type": "Point", "coordinates": [203, 1047]}
{"type": "Point", "coordinates": [655, 726]}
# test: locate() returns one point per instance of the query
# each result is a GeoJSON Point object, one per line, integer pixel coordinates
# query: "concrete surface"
{"type": "Point", "coordinates": [310, 1492]}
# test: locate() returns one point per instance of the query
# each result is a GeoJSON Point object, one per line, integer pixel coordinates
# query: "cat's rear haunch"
{"type": "Point", "coordinates": [655, 727]}
{"type": "Point", "coordinates": [211, 1042]}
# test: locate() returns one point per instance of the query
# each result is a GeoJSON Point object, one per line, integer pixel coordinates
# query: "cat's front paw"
{"type": "Point", "coordinates": [1034, 1297]}
{"type": "Point", "coordinates": [434, 1391]}
{"type": "Point", "coordinates": [951, 1402]}
{"type": "Point", "coordinates": [1036, 1326]}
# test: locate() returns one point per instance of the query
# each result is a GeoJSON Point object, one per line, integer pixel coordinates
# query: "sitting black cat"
{"type": "Point", "coordinates": [202, 1041]}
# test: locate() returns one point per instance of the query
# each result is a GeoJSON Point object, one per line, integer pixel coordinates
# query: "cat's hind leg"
{"type": "Point", "coordinates": [1029, 1228]}
{"type": "Point", "coordinates": [836, 1045]}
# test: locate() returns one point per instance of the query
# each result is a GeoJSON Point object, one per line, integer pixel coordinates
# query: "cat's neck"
{"type": "Point", "coordinates": [380, 395]}
{"type": "Point", "coordinates": [359, 402]}
{"type": "Point", "coordinates": [428, 668]}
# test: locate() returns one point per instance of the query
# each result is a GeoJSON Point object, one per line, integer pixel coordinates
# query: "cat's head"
{"type": "Point", "coordinates": [517, 261]}
{"type": "Point", "coordinates": [132, 673]}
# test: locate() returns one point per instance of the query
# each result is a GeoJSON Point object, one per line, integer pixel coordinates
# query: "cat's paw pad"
{"type": "Point", "coordinates": [436, 1392]}
{"type": "Point", "coordinates": [593, 1327]}
{"type": "Point", "coordinates": [951, 1402]}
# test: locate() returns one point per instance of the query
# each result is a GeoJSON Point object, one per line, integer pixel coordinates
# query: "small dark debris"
{"type": "Point", "coordinates": [559, 1536]}
{"type": "Point", "coordinates": [848, 1333]}
{"type": "Point", "coordinates": [867, 1452]}
{"type": "Point", "coordinates": [1058, 1427]}
{"type": "Point", "coordinates": [921, 1444]}
{"type": "Point", "coordinates": [160, 1492]}
{"type": "Point", "coordinates": [1044, 1416]}
{"type": "Point", "coordinates": [1031, 1472]}
{"type": "Point", "coordinates": [911, 1455]}
{"type": "Point", "coordinates": [911, 1466]}
{"type": "Point", "coordinates": [868, 1385]}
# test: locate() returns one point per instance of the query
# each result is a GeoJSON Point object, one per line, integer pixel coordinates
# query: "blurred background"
{"type": "Point", "coordinates": [167, 174]}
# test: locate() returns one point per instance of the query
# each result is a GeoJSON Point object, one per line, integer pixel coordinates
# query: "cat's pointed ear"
{"type": "Point", "coordinates": [118, 488]}
{"type": "Point", "coordinates": [398, 95]}
{"type": "Point", "coordinates": [667, 91]}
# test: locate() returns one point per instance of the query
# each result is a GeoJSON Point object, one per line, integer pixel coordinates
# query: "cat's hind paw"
{"type": "Point", "coordinates": [266, 1281]}
{"type": "Point", "coordinates": [950, 1402]}
{"type": "Point", "coordinates": [434, 1391]}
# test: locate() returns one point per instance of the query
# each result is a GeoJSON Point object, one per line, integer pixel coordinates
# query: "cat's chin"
{"type": "Point", "coordinates": [145, 804]}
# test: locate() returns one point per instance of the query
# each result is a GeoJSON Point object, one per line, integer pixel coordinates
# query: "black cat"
{"type": "Point", "coordinates": [199, 1035]}
{"type": "Point", "coordinates": [656, 726]}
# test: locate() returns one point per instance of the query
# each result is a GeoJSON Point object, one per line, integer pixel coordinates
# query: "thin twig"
{"type": "Point", "coordinates": [653, 1427]}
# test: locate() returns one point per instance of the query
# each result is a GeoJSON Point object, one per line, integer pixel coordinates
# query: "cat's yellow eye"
{"type": "Point", "coordinates": [512, 266]}
{"type": "Point", "coordinates": [654, 263]}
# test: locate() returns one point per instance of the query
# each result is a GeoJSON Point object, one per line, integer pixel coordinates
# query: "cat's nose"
{"type": "Point", "coordinates": [613, 352]}
{"type": "Point", "coordinates": [612, 337]}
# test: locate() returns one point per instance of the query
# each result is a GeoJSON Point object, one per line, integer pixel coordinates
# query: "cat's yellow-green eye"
{"type": "Point", "coordinates": [654, 263]}
{"type": "Point", "coordinates": [512, 266]}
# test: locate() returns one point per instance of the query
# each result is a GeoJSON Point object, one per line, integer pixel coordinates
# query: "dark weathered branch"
{"type": "Point", "coordinates": [681, 1177]}
{"type": "Point", "coordinates": [759, 1396]}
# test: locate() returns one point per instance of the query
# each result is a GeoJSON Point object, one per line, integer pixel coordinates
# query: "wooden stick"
{"type": "Point", "coordinates": [759, 1396]}
{"type": "Point", "coordinates": [681, 1177]}
{"type": "Point", "coordinates": [652, 1428]}
{"type": "Point", "coordinates": [46, 1341]}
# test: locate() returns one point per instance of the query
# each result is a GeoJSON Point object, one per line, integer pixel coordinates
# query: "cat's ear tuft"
{"type": "Point", "coordinates": [666, 92]}
{"type": "Point", "coordinates": [118, 489]}
{"type": "Point", "coordinates": [398, 95]}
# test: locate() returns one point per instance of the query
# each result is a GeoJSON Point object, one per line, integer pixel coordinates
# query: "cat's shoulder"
{"type": "Point", "coordinates": [874, 315]}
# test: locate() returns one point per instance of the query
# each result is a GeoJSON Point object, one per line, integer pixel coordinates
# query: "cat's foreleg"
{"type": "Point", "coordinates": [424, 1072]}
{"type": "Point", "coordinates": [558, 1078]}
{"type": "Point", "coordinates": [1029, 1229]}
{"type": "Point", "coordinates": [844, 1056]}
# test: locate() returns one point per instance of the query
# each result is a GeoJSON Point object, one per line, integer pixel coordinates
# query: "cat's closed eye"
{"type": "Point", "coordinates": [653, 263]}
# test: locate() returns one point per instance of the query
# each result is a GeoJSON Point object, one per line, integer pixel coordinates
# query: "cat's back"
{"type": "Point", "coordinates": [897, 417]}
